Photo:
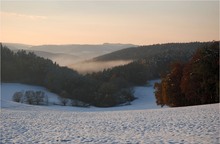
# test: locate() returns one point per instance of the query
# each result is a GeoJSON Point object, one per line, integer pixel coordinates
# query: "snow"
{"type": "Point", "coordinates": [140, 122]}
{"type": "Point", "coordinates": [8, 89]}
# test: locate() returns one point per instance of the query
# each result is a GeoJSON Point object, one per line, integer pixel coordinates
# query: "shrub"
{"type": "Point", "coordinates": [79, 103]}
{"type": "Point", "coordinates": [40, 98]}
{"type": "Point", "coordinates": [17, 97]}
{"type": "Point", "coordinates": [31, 97]}
{"type": "Point", "coordinates": [63, 101]}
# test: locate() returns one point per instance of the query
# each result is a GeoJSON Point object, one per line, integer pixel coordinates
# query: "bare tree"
{"type": "Point", "coordinates": [29, 97]}
{"type": "Point", "coordinates": [17, 97]}
{"type": "Point", "coordinates": [63, 101]}
{"type": "Point", "coordinates": [39, 97]}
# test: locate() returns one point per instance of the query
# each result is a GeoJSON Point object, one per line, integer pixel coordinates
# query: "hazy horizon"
{"type": "Point", "coordinates": [96, 22]}
{"type": "Point", "coordinates": [106, 43]}
{"type": "Point", "coordinates": [68, 43]}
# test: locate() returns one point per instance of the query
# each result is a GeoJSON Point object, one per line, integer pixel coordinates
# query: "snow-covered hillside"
{"type": "Point", "coordinates": [145, 98]}
{"type": "Point", "coordinates": [140, 122]}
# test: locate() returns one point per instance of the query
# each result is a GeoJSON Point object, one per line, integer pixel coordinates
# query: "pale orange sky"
{"type": "Point", "coordinates": [96, 22]}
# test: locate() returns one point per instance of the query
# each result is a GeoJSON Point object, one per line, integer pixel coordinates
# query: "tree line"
{"type": "Point", "coordinates": [193, 83]}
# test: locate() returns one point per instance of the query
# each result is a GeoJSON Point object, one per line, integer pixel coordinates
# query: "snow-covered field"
{"type": "Point", "coordinates": [141, 122]}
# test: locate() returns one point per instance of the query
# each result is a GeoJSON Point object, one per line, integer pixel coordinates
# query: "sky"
{"type": "Point", "coordinates": [97, 22]}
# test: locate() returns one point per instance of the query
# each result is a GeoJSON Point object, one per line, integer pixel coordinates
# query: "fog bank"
{"type": "Point", "coordinates": [88, 67]}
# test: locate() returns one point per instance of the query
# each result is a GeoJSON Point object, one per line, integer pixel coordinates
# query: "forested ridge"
{"type": "Point", "coordinates": [151, 61]}
{"type": "Point", "coordinates": [149, 51]}
{"type": "Point", "coordinates": [23, 67]}
{"type": "Point", "coordinates": [192, 83]}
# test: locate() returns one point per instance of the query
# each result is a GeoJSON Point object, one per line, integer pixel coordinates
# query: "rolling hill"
{"type": "Point", "coordinates": [66, 55]}
{"type": "Point", "coordinates": [82, 48]}
{"type": "Point", "coordinates": [156, 58]}
{"type": "Point", "coordinates": [149, 51]}
{"type": "Point", "coordinates": [17, 46]}
{"type": "Point", "coordinates": [61, 58]}
{"type": "Point", "coordinates": [148, 62]}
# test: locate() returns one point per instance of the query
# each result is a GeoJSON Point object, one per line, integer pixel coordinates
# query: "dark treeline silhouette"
{"type": "Point", "coordinates": [149, 51]}
{"type": "Point", "coordinates": [23, 67]}
{"type": "Point", "coordinates": [193, 83]}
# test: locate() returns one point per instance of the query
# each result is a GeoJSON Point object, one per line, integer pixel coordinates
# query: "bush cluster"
{"type": "Point", "coordinates": [31, 97]}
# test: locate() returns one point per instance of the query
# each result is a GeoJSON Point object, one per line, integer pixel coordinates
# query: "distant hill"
{"type": "Point", "coordinates": [145, 52]}
{"type": "Point", "coordinates": [85, 51]}
{"type": "Point", "coordinates": [60, 58]}
{"type": "Point", "coordinates": [16, 46]}
{"type": "Point", "coordinates": [66, 55]}
{"type": "Point", "coordinates": [81, 48]}
{"type": "Point", "coordinates": [165, 53]}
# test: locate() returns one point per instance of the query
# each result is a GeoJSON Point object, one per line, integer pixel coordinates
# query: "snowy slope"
{"type": "Point", "coordinates": [21, 123]}
{"type": "Point", "coordinates": [145, 98]}
{"type": "Point", "coordinates": [8, 89]}
{"type": "Point", "coordinates": [177, 125]}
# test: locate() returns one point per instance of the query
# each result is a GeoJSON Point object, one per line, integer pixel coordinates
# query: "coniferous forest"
{"type": "Point", "coordinates": [187, 77]}
{"type": "Point", "coordinates": [27, 68]}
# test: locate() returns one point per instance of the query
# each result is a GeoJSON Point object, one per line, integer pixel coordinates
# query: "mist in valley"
{"type": "Point", "coordinates": [88, 67]}
{"type": "Point", "coordinates": [75, 55]}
